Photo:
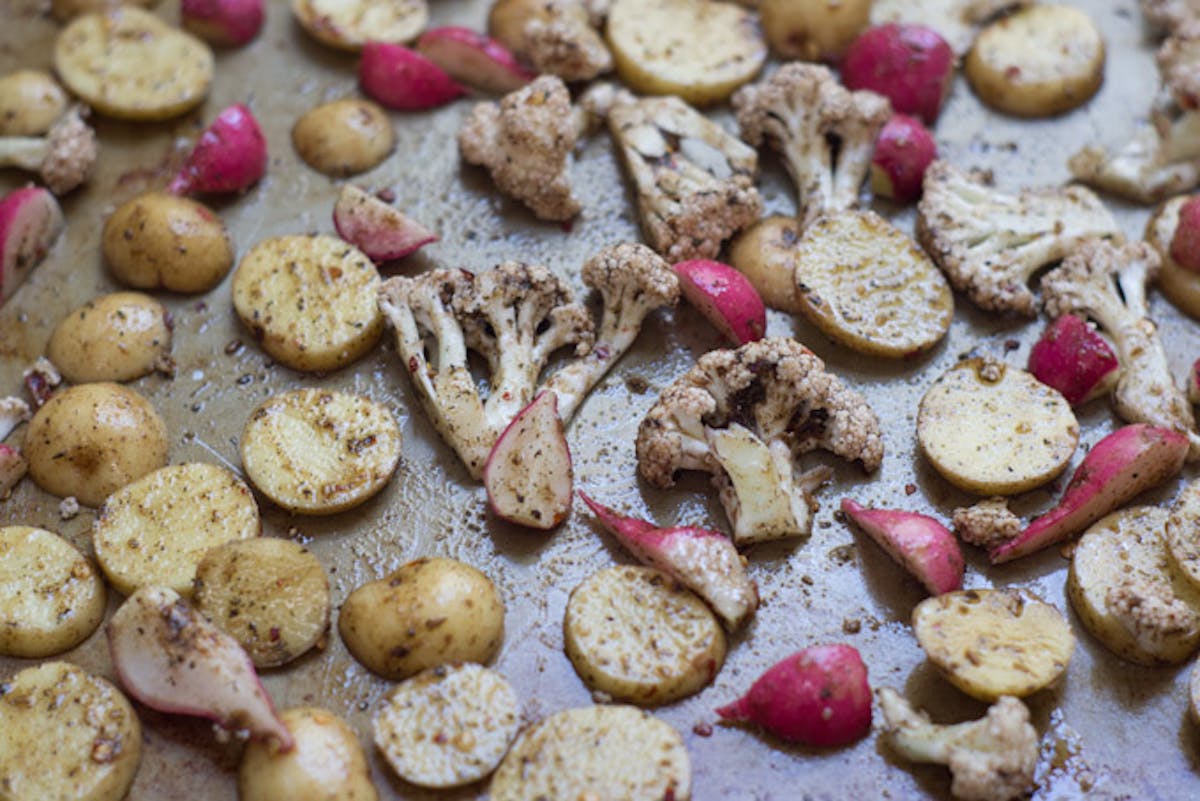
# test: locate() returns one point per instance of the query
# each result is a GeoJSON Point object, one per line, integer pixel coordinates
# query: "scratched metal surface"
{"type": "Point", "coordinates": [1135, 737]}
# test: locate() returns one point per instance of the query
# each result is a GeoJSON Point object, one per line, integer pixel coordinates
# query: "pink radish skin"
{"type": "Point", "coordinates": [1127, 462]}
{"type": "Point", "coordinates": [474, 59]}
{"type": "Point", "coordinates": [230, 156]}
{"type": "Point", "coordinates": [403, 79]}
{"type": "Point", "coordinates": [378, 229]}
{"type": "Point", "coordinates": [528, 474]}
{"type": "Point", "coordinates": [704, 561]}
{"type": "Point", "coordinates": [13, 468]}
{"type": "Point", "coordinates": [903, 152]}
{"type": "Point", "coordinates": [1073, 358]}
{"type": "Point", "coordinates": [30, 223]}
{"type": "Point", "coordinates": [725, 297]}
{"type": "Point", "coordinates": [910, 65]}
{"type": "Point", "coordinates": [920, 544]}
{"type": "Point", "coordinates": [224, 23]}
{"type": "Point", "coordinates": [1185, 244]}
{"type": "Point", "coordinates": [172, 659]}
{"type": "Point", "coordinates": [817, 697]}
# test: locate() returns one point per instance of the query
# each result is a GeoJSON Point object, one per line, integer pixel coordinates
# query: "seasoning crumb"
{"type": "Point", "coordinates": [68, 507]}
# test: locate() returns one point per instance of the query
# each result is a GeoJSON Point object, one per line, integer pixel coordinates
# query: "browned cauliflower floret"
{"type": "Point", "coordinates": [990, 243]}
{"type": "Point", "coordinates": [63, 157]}
{"type": "Point", "coordinates": [1179, 64]}
{"type": "Point", "coordinates": [525, 141]}
{"type": "Point", "coordinates": [1169, 14]}
{"type": "Point", "coordinates": [1151, 613]}
{"type": "Point", "coordinates": [987, 524]}
{"type": "Point", "coordinates": [561, 41]}
{"type": "Point", "coordinates": [744, 415]}
{"type": "Point", "coordinates": [824, 132]}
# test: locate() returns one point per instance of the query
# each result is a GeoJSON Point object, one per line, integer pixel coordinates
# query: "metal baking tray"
{"type": "Point", "coordinates": [1127, 723]}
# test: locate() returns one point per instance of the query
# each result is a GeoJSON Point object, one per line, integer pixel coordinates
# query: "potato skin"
{"type": "Point", "coordinates": [90, 440]}
{"type": "Point", "coordinates": [427, 613]}
{"type": "Point", "coordinates": [115, 337]}
{"type": "Point", "coordinates": [766, 253]}
{"type": "Point", "coordinates": [30, 102]}
{"type": "Point", "coordinates": [160, 241]}
{"type": "Point", "coordinates": [344, 137]}
{"type": "Point", "coordinates": [813, 30]}
{"type": "Point", "coordinates": [327, 763]}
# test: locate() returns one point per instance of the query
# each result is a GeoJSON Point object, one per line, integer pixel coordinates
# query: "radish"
{"type": "Point", "coordinates": [904, 149]}
{"type": "Point", "coordinates": [818, 697]}
{"type": "Point", "coordinates": [230, 156]}
{"type": "Point", "coordinates": [704, 561]}
{"type": "Point", "coordinates": [528, 473]}
{"type": "Point", "coordinates": [403, 79]}
{"type": "Point", "coordinates": [173, 659]}
{"type": "Point", "coordinates": [1185, 244]}
{"type": "Point", "coordinates": [30, 223]}
{"type": "Point", "coordinates": [1127, 462]}
{"type": "Point", "coordinates": [910, 65]}
{"type": "Point", "coordinates": [725, 297]}
{"type": "Point", "coordinates": [376, 228]}
{"type": "Point", "coordinates": [922, 545]}
{"type": "Point", "coordinates": [474, 59]}
{"type": "Point", "coordinates": [13, 468]}
{"type": "Point", "coordinates": [225, 23]}
{"type": "Point", "coordinates": [41, 380]}
{"type": "Point", "coordinates": [1072, 357]}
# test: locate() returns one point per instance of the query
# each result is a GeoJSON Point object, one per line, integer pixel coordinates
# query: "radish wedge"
{"type": "Point", "coordinates": [725, 297]}
{"type": "Point", "coordinates": [173, 659]}
{"type": "Point", "coordinates": [474, 59]}
{"type": "Point", "coordinates": [1072, 357]}
{"type": "Point", "coordinates": [704, 561]}
{"type": "Point", "coordinates": [1185, 244]}
{"type": "Point", "coordinates": [379, 230]}
{"type": "Point", "coordinates": [403, 79]}
{"type": "Point", "coordinates": [224, 23]}
{"type": "Point", "coordinates": [920, 544]}
{"type": "Point", "coordinates": [30, 223]}
{"type": "Point", "coordinates": [528, 474]}
{"type": "Point", "coordinates": [230, 156]}
{"type": "Point", "coordinates": [903, 151]}
{"type": "Point", "coordinates": [1127, 462]}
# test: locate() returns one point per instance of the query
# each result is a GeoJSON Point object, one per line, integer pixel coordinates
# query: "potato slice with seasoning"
{"type": "Point", "coordinates": [344, 137]}
{"type": "Point", "coordinates": [994, 429]}
{"type": "Point", "coordinates": [637, 635]}
{"type": "Point", "coordinates": [155, 531]}
{"type": "Point", "coordinates": [128, 63]}
{"type": "Point", "coordinates": [617, 753]}
{"type": "Point", "coordinates": [869, 287]}
{"type": "Point", "coordinates": [990, 643]}
{"type": "Point", "coordinates": [1125, 589]}
{"type": "Point", "coordinates": [116, 337]}
{"type": "Point", "coordinates": [1178, 283]}
{"type": "Point", "coordinates": [327, 763]}
{"type": "Point", "coordinates": [270, 595]}
{"type": "Point", "coordinates": [66, 735]}
{"type": "Point", "coordinates": [699, 50]}
{"type": "Point", "coordinates": [447, 726]}
{"type": "Point", "coordinates": [51, 598]}
{"type": "Point", "coordinates": [310, 301]}
{"type": "Point", "coordinates": [320, 452]}
{"type": "Point", "coordinates": [349, 24]}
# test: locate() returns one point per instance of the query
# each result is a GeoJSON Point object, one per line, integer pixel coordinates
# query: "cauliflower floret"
{"type": "Point", "coordinates": [1169, 14]}
{"type": "Point", "coordinates": [825, 133]}
{"type": "Point", "coordinates": [63, 158]}
{"type": "Point", "coordinates": [1179, 64]}
{"type": "Point", "coordinates": [561, 41]}
{"type": "Point", "coordinates": [990, 759]}
{"type": "Point", "coordinates": [990, 243]}
{"type": "Point", "coordinates": [1151, 612]}
{"type": "Point", "coordinates": [524, 141]}
{"type": "Point", "coordinates": [987, 524]}
{"type": "Point", "coordinates": [694, 182]}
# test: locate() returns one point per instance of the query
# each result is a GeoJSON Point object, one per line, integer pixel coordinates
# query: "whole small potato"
{"type": "Point", "coordinates": [327, 763]}
{"type": "Point", "coordinates": [813, 30]}
{"type": "Point", "coordinates": [160, 241]}
{"type": "Point", "coordinates": [427, 613]}
{"type": "Point", "coordinates": [344, 137]}
{"type": "Point", "coordinates": [30, 102]}
{"type": "Point", "coordinates": [92, 439]}
{"type": "Point", "coordinates": [116, 337]}
{"type": "Point", "coordinates": [766, 253]}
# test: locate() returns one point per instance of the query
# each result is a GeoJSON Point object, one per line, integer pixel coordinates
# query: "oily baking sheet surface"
{"type": "Point", "coordinates": [1132, 728]}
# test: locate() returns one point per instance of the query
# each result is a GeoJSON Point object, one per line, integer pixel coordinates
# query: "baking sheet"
{"type": "Point", "coordinates": [1136, 741]}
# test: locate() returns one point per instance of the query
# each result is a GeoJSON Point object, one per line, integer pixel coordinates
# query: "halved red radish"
{"type": "Point", "coordinates": [903, 151]}
{"type": "Point", "coordinates": [920, 544]}
{"type": "Point", "coordinates": [30, 223]}
{"type": "Point", "coordinates": [1072, 357]}
{"type": "Point", "coordinates": [230, 156]}
{"type": "Point", "coordinates": [378, 229]}
{"type": "Point", "coordinates": [403, 79]}
{"type": "Point", "coordinates": [474, 59]}
{"type": "Point", "coordinates": [528, 474]}
{"type": "Point", "coordinates": [725, 297]}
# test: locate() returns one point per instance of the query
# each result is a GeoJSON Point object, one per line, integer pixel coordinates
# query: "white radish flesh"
{"type": "Point", "coordinates": [378, 229]}
{"type": "Point", "coordinates": [30, 224]}
{"type": "Point", "coordinates": [528, 474]}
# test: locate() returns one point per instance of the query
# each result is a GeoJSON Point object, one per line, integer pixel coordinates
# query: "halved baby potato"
{"type": "Point", "coordinates": [637, 635]}
{"type": "Point", "coordinates": [990, 643]}
{"type": "Point", "coordinates": [993, 429]}
{"type": "Point", "coordinates": [813, 30]}
{"type": "Point", "coordinates": [1179, 284]}
{"type": "Point", "coordinates": [326, 763]}
{"type": "Point", "coordinates": [31, 101]}
{"type": "Point", "coordinates": [319, 452]}
{"type": "Point", "coordinates": [51, 598]}
{"type": "Point", "coordinates": [344, 137]}
{"type": "Point", "coordinates": [699, 50]}
{"type": "Point", "coordinates": [350, 24]}
{"type": "Point", "coordinates": [66, 735]}
{"type": "Point", "coordinates": [116, 337]}
{"type": "Point", "coordinates": [767, 253]}
{"type": "Point", "coordinates": [447, 726]}
{"type": "Point", "coordinates": [155, 531]}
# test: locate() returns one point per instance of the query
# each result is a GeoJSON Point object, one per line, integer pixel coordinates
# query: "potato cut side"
{"type": "Point", "coordinates": [448, 726]}
{"type": "Point", "coordinates": [1179, 284]}
{"type": "Point", "coordinates": [66, 735]}
{"type": "Point", "coordinates": [1183, 533]}
{"type": "Point", "coordinates": [635, 634]}
{"type": "Point", "coordinates": [327, 762]}
{"type": "Point", "coordinates": [618, 753]}
{"type": "Point", "coordinates": [155, 531]}
{"type": "Point", "coordinates": [309, 300]}
{"type": "Point", "coordinates": [990, 643]}
{"type": "Point", "coordinates": [1124, 587]}
{"type": "Point", "coordinates": [51, 598]}
{"type": "Point", "coordinates": [116, 337]}
{"type": "Point", "coordinates": [127, 63]}
{"type": "Point", "coordinates": [320, 452]}
{"type": "Point", "coordinates": [1039, 61]}
{"type": "Point", "coordinates": [994, 429]}
{"type": "Point", "coordinates": [699, 50]}
{"type": "Point", "coordinates": [350, 24]}
{"type": "Point", "coordinates": [869, 287]}
{"type": "Point", "coordinates": [270, 595]}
